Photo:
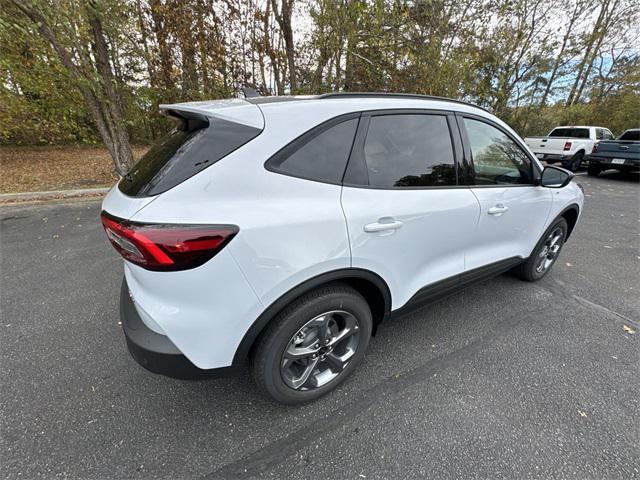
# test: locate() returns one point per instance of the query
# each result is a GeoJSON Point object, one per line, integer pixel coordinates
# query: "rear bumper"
{"type": "Point", "coordinates": [553, 158]}
{"type": "Point", "coordinates": [607, 162]}
{"type": "Point", "coordinates": [156, 352]}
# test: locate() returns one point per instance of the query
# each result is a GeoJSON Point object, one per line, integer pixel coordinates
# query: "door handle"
{"type": "Point", "coordinates": [384, 223]}
{"type": "Point", "coordinates": [497, 210]}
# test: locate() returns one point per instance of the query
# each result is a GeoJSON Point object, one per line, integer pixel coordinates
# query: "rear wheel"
{"type": "Point", "coordinates": [593, 170]}
{"type": "Point", "coordinates": [576, 161]}
{"type": "Point", "coordinates": [545, 254]}
{"type": "Point", "coordinates": [312, 345]}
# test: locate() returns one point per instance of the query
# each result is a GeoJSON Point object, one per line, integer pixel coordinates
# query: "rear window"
{"type": "Point", "coordinates": [198, 143]}
{"type": "Point", "coordinates": [570, 132]}
{"type": "Point", "coordinates": [321, 154]}
{"type": "Point", "coordinates": [633, 135]}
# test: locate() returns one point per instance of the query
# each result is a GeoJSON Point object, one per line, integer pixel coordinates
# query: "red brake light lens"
{"type": "Point", "coordinates": [166, 247]}
{"type": "Point", "coordinates": [567, 146]}
{"type": "Point", "coordinates": [595, 148]}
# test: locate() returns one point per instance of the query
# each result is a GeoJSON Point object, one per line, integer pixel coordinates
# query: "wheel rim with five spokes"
{"type": "Point", "coordinates": [550, 250]}
{"type": "Point", "coordinates": [320, 350]}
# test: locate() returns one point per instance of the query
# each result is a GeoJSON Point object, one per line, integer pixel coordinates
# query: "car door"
{"type": "Point", "coordinates": [408, 219]}
{"type": "Point", "coordinates": [513, 208]}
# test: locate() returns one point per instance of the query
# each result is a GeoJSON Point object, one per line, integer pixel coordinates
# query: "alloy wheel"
{"type": "Point", "coordinates": [320, 351]}
{"type": "Point", "coordinates": [550, 250]}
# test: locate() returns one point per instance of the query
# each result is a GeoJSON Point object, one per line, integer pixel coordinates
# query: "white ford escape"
{"type": "Point", "coordinates": [283, 230]}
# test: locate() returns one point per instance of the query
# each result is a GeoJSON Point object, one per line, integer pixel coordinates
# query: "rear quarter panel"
{"type": "Point", "coordinates": [290, 229]}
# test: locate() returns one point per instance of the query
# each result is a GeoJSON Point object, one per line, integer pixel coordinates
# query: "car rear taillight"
{"type": "Point", "coordinates": [166, 247]}
{"type": "Point", "coordinates": [595, 148]}
{"type": "Point", "coordinates": [567, 146]}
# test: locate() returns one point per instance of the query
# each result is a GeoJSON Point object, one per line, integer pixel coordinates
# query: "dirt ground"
{"type": "Point", "coordinates": [34, 169]}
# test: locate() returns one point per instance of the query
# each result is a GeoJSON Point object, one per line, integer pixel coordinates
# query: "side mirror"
{"type": "Point", "coordinates": [555, 177]}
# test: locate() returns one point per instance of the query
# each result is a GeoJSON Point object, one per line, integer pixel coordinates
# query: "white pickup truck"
{"type": "Point", "coordinates": [568, 144]}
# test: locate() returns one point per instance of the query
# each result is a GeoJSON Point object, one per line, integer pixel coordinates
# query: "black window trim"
{"type": "Point", "coordinates": [461, 149]}
{"type": "Point", "coordinates": [468, 157]}
{"type": "Point", "coordinates": [188, 122]}
{"type": "Point", "coordinates": [356, 166]}
{"type": "Point", "coordinates": [301, 140]}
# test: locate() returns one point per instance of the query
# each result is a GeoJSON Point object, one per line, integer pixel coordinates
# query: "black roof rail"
{"type": "Point", "coordinates": [398, 95]}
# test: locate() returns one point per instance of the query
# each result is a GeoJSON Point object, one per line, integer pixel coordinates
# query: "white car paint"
{"type": "Point", "coordinates": [293, 229]}
{"type": "Point", "coordinates": [430, 244]}
{"type": "Point", "coordinates": [515, 232]}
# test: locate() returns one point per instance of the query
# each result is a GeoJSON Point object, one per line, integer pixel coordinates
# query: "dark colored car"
{"type": "Point", "coordinates": [622, 154]}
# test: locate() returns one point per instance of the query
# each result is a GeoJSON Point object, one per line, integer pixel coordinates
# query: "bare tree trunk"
{"type": "Point", "coordinates": [202, 48]}
{"type": "Point", "coordinates": [103, 104]}
{"type": "Point", "coordinates": [587, 54]}
{"type": "Point", "coordinates": [111, 106]}
{"type": "Point", "coordinates": [186, 40]}
{"type": "Point", "coordinates": [269, 48]}
{"type": "Point", "coordinates": [145, 45]}
{"type": "Point", "coordinates": [283, 17]}
{"type": "Point", "coordinates": [558, 61]}
{"type": "Point", "coordinates": [166, 65]}
{"type": "Point", "coordinates": [596, 50]}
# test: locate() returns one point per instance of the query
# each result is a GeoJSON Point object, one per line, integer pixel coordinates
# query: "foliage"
{"type": "Point", "coordinates": [535, 63]}
{"type": "Point", "coordinates": [35, 104]}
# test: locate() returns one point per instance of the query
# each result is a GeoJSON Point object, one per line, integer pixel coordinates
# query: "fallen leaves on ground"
{"type": "Point", "coordinates": [35, 169]}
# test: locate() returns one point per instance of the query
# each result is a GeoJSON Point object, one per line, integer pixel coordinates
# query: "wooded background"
{"type": "Point", "coordinates": [95, 71]}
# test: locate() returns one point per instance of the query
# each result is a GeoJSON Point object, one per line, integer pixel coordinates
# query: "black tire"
{"type": "Point", "coordinates": [593, 170]}
{"type": "Point", "coordinates": [268, 358]}
{"type": "Point", "coordinates": [529, 270]}
{"type": "Point", "coordinates": [576, 161]}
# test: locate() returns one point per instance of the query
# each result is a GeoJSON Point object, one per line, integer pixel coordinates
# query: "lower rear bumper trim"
{"type": "Point", "coordinates": [156, 352]}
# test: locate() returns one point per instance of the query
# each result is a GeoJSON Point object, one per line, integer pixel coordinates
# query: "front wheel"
{"type": "Point", "coordinates": [545, 254]}
{"type": "Point", "coordinates": [313, 345]}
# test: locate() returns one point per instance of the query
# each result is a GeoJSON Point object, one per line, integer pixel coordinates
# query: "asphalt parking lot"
{"type": "Point", "coordinates": [503, 380]}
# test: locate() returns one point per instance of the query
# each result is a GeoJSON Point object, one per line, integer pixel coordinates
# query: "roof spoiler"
{"type": "Point", "coordinates": [236, 110]}
{"type": "Point", "coordinates": [249, 92]}
{"type": "Point", "coordinates": [190, 121]}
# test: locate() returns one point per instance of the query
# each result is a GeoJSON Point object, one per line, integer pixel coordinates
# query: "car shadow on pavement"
{"type": "Point", "coordinates": [631, 177]}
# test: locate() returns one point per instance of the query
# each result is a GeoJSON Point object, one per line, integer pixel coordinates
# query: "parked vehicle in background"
{"type": "Point", "coordinates": [622, 154]}
{"type": "Point", "coordinates": [568, 145]}
{"type": "Point", "coordinates": [282, 230]}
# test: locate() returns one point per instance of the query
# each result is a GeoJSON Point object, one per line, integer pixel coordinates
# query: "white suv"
{"type": "Point", "coordinates": [283, 230]}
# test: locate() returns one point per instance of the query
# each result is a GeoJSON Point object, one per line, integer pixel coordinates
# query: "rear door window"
{"type": "Point", "coordinates": [409, 150]}
{"type": "Point", "coordinates": [196, 144]}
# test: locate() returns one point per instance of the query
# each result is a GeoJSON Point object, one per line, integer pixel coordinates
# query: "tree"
{"type": "Point", "coordinates": [125, 57]}
{"type": "Point", "coordinates": [91, 70]}
{"type": "Point", "coordinates": [580, 9]}
{"type": "Point", "coordinates": [283, 14]}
